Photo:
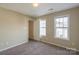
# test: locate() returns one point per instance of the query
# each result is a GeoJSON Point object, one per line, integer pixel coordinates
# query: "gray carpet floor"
{"type": "Point", "coordinates": [37, 48]}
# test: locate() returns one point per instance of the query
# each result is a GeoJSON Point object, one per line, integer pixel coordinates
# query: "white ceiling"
{"type": "Point", "coordinates": [42, 9]}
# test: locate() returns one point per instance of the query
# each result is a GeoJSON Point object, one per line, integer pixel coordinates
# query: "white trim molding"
{"type": "Point", "coordinates": [13, 46]}
{"type": "Point", "coordinates": [74, 49]}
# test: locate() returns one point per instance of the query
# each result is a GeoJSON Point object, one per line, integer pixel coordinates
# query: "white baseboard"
{"type": "Point", "coordinates": [62, 46]}
{"type": "Point", "coordinates": [12, 46]}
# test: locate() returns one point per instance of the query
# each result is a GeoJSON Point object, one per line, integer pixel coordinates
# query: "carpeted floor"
{"type": "Point", "coordinates": [37, 48]}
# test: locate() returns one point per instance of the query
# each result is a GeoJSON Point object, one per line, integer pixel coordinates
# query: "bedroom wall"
{"type": "Point", "coordinates": [13, 29]}
{"type": "Point", "coordinates": [74, 29]}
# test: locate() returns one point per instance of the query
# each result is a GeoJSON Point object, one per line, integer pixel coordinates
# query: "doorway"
{"type": "Point", "coordinates": [31, 29]}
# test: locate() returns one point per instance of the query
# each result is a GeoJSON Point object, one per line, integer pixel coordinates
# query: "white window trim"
{"type": "Point", "coordinates": [39, 28]}
{"type": "Point", "coordinates": [68, 27]}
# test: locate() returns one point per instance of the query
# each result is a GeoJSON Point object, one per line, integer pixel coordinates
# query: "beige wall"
{"type": "Point", "coordinates": [36, 30]}
{"type": "Point", "coordinates": [13, 28]}
{"type": "Point", "coordinates": [74, 29]}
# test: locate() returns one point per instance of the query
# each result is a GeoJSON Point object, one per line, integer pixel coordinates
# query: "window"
{"type": "Point", "coordinates": [42, 28]}
{"type": "Point", "coordinates": [61, 27]}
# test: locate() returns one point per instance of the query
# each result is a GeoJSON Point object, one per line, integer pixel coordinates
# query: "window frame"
{"type": "Point", "coordinates": [68, 38]}
{"type": "Point", "coordinates": [42, 27]}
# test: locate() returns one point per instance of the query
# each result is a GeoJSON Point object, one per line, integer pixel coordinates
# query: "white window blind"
{"type": "Point", "coordinates": [61, 27]}
{"type": "Point", "coordinates": [42, 28]}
